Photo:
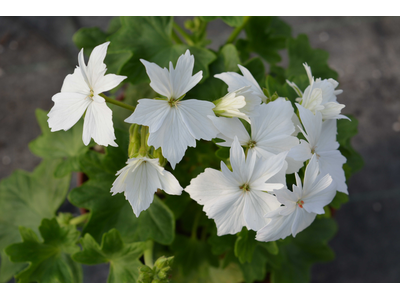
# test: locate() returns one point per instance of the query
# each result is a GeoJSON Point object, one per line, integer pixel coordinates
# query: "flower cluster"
{"type": "Point", "coordinates": [250, 189]}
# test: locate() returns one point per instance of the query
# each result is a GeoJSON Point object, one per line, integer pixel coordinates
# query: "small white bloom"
{"type": "Point", "coordinates": [271, 131]}
{"type": "Point", "coordinates": [301, 206]}
{"type": "Point", "coordinates": [232, 104]}
{"type": "Point", "coordinates": [321, 140]}
{"type": "Point", "coordinates": [174, 124]}
{"type": "Point", "coordinates": [320, 96]}
{"type": "Point", "coordinates": [237, 198]}
{"type": "Point", "coordinates": [80, 92]}
{"type": "Point", "coordinates": [140, 179]}
{"type": "Point", "coordinates": [254, 96]}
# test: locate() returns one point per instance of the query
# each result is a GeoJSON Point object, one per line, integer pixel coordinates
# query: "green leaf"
{"type": "Point", "coordinates": [257, 268]}
{"type": "Point", "coordinates": [307, 248]}
{"type": "Point", "coordinates": [257, 69]}
{"type": "Point", "coordinates": [190, 253]}
{"type": "Point", "coordinates": [50, 260]}
{"type": "Point", "coordinates": [271, 247]}
{"type": "Point", "coordinates": [66, 145]}
{"type": "Point", "coordinates": [123, 258]}
{"type": "Point", "coordinates": [109, 211]}
{"type": "Point", "coordinates": [88, 38]}
{"type": "Point", "coordinates": [231, 58]}
{"type": "Point", "coordinates": [150, 38]}
{"type": "Point", "coordinates": [245, 245]}
{"type": "Point", "coordinates": [300, 51]}
{"type": "Point", "coordinates": [159, 273]}
{"type": "Point", "coordinates": [25, 199]}
{"type": "Point", "coordinates": [339, 199]}
{"type": "Point", "coordinates": [265, 36]}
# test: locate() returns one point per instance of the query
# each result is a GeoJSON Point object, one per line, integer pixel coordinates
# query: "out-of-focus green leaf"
{"type": "Point", "coordinates": [235, 21]}
{"type": "Point", "coordinates": [123, 258]}
{"type": "Point", "coordinates": [245, 245]}
{"type": "Point", "coordinates": [25, 199]}
{"type": "Point", "coordinates": [50, 260]}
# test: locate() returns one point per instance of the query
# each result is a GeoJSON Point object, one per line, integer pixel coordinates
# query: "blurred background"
{"type": "Point", "coordinates": [36, 53]}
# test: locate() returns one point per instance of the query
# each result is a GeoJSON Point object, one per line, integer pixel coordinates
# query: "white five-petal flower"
{"type": "Point", "coordinates": [271, 131]}
{"type": "Point", "coordinates": [174, 124]}
{"type": "Point", "coordinates": [80, 92]}
{"type": "Point", "coordinates": [237, 198]}
{"type": "Point", "coordinates": [140, 179]}
{"type": "Point", "coordinates": [300, 206]}
{"type": "Point", "coordinates": [321, 140]}
{"type": "Point", "coordinates": [320, 96]}
{"type": "Point", "coordinates": [254, 95]}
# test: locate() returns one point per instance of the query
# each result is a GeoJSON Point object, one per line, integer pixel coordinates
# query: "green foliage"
{"type": "Point", "coordinates": [297, 255]}
{"type": "Point", "coordinates": [159, 273]}
{"type": "Point", "coordinates": [66, 145]}
{"type": "Point", "coordinates": [245, 245]}
{"type": "Point", "coordinates": [123, 258]}
{"type": "Point", "coordinates": [50, 260]}
{"type": "Point", "coordinates": [264, 36]}
{"type": "Point", "coordinates": [231, 21]}
{"type": "Point", "coordinates": [25, 199]}
{"type": "Point", "coordinates": [150, 38]}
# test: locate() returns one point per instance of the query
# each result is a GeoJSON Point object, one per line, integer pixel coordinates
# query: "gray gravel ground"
{"type": "Point", "coordinates": [36, 53]}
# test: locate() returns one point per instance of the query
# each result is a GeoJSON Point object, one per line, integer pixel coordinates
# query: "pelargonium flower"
{"type": "Point", "coordinates": [174, 124]}
{"type": "Point", "coordinates": [254, 95]}
{"type": "Point", "coordinates": [140, 179]}
{"type": "Point", "coordinates": [271, 131]}
{"type": "Point", "coordinates": [237, 198]}
{"type": "Point", "coordinates": [321, 140]}
{"type": "Point", "coordinates": [300, 206]}
{"type": "Point", "coordinates": [80, 92]}
{"type": "Point", "coordinates": [320, 96]}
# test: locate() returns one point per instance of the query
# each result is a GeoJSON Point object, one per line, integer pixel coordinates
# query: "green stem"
{"type": "Point", "coordinates": [79, 219]}
{"type": "Point", "coordinates": [119, 103]}
{"type": "Point", "coordinates": [148, 254]}
{"type": "Point", "coordinates": [195, 225]}
{"type": "Point", "coordinates": [237, 30]}
{"type": "Point", "coordinates": [183, 33]}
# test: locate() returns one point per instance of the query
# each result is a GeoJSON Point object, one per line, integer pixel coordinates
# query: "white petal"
{"type": "Point", "coordinates": [83, 68]}
{"type": "Point", "coordinates": [277, 228]}
{"type": "Point", "coordinates": [264, 170]}
{"type": "Point", "coordinates": [312, 124]}
{"type": "Point", "coordinates": [195, 115]}
{"type": "Point", "coordinates": [327, 140]}
{"type": "Point", "coordinates": [257, 204]}
{"type": "Point", "coordinates": [301, 152]}
{"type": "Point", "coordinates": [107, 82]}
{"type": "Point", "coordinates": [150, 113]}
{"type": "Point", "coordinates": [67, 110]}
{"type": "Point", "coordinates": [159, 79]}
{"type": "Point", "coordinates": [323, 192]}
{"type": "Point", "coordinates": [302, 219]}
{"type": "Point", "coordinates": [170, 184]}
{"type": "Point", "coordinates": [181, 78]}
{"type": "Point", "coordinates": [75, 83]}
{"type": "Point", "coordinates": [228, 128]}
{"type": "Point", "coordinates": [173, 136]}
{"type": "Point", "coordinates": [237, 159]}
{"type": "Point", "coordinates": [311, 174]}
{"type": "Point", "coordinates": [331, 162]}
{"type": "Point", "coordinates": [96, 67]}
{"type": "Point", "coordinates": [98, 124]}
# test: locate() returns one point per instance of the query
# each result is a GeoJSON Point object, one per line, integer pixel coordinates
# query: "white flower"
{"type": "Point", "coordinates": [80, 92]}
{"type": "Point", "coordinates": [254, 96]}
{"type": "Point", "coordinates": [174, 124]}
{"type": "Point", "coordinates": [271, 131]}
{"type": "Point", "coordinates": [140, 179]}
{"type": "Point", "coordinates": [238, 198]}
{"type": "Point", "coordinates": [232, 104]}
{"type": "Point", "coordinates": [321, 140]}
{"type": "Point", "coordinates": [320, 96]}
{"type": "Point", "coordinates": [301, 206]}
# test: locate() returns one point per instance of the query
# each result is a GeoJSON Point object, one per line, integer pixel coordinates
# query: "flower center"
{"type": "Point", "coordinates": [172, 102]}
{"type": "Point", "coordinates": [300, 203]}
{"type": "Point", "coordinates": [313, 152]}
{"type": "Point", "coordinates": [245, 187]}
{"type": "Point", "coordinates": [251, 144]}
{"type": "Point", "coordinates": [91, 94]}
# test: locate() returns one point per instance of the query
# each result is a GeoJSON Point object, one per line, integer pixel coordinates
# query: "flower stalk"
{"type": "Point", "coordinates": [118, 103]}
